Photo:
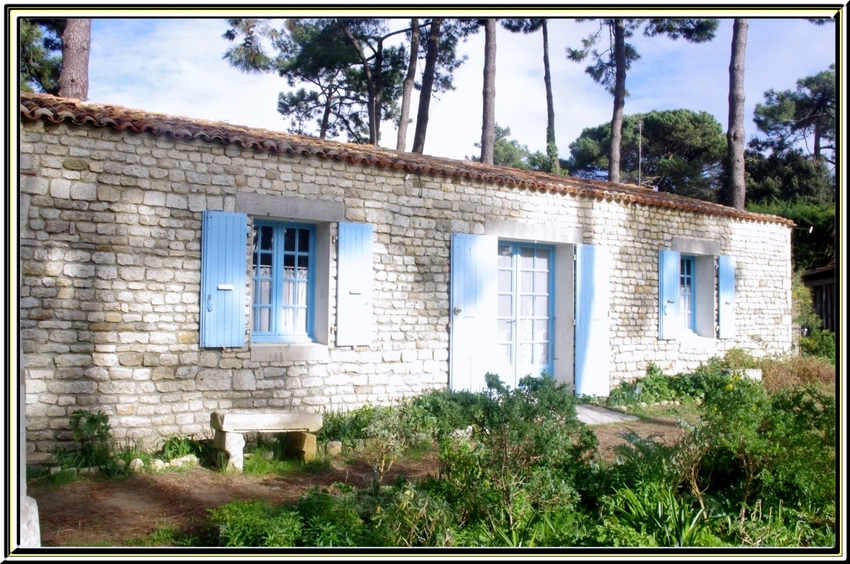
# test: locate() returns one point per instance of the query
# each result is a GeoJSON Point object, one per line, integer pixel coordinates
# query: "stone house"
{"type": "Point", "coordinates": [170, 267]}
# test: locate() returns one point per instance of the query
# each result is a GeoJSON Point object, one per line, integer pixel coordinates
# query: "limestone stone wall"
{"type": "Point", "coordinates": [110, 235]}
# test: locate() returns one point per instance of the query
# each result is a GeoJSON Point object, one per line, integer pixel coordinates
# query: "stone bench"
{"type": "Point", "coordinates": [230, 426]}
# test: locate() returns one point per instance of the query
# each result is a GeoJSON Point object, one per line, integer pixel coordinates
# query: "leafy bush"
{"type": "Point", "coordinates": [656, 510]}
{"type": "Point", "coordinates": [416, 516]}
{"type": "Point", "coordinates": [254, 523]}
{"type": "Point", "coordinates": [819, 343]}
{"type": "Point", "coordinates": [94, 434]}
{"type": "Point", "coordinates": [178, 446]}
{"type": "Point", "coordinates": [525, 450]}
{"type": "Point", "coordinates": [777, 447]}
{"type": "Point", "coordinates": [331, 518]}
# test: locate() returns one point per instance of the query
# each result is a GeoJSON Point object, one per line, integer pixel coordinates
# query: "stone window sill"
{"type": "Point", "coordinates": [287, 352]}
{"type": "Point", "coordinates": [690, 340]}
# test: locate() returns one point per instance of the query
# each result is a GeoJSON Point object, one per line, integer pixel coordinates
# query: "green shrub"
{"type": "Point", "coordinates": [416, 516]}
{"type": "Point", "coordinates": [819, 343]}
{"type": "Point", "coordinates": [654, 509]}
{"type": "Point", "coordinates": [777, 526]}
{"type": "Point", "coordinates": [94, 435]}
{"type": "Point", "coordinates": [526, 449]}
{"type": "Point", "coordinates": [778, 447]}
{"type": "Point", "coordinates": [254, 524]}
{"type": "Point", "coordinates": [331, 518]}
{"type": "Point", "coordinates": [178, 446]}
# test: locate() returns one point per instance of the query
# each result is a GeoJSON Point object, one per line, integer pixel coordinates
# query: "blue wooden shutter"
{"type": "Point", "coordinates": [223, 278]}
{"type": "Point", "coordinates": [726, 297]}
{"type": "Point", "coordinates": [473, 310]}
{"type": "Point", "coordinates": [355, 272]}
{"type": "Point", "coordinates": [669, 270]}
{"type": "Point", "coordinates": [593, 346]}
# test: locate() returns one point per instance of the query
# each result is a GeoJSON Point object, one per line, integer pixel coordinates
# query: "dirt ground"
{"type": "Point", "coordinates": [95, 512]}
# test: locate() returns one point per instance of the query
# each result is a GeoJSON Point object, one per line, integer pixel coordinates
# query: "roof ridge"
{"type": "Point", "coordinates": [57, 110]}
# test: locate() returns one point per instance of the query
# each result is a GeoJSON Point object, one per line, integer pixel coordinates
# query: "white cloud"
{"type": "Point", "coordinates": [175, 66]}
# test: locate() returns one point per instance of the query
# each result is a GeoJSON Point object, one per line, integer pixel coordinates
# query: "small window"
{"type": "Point", "coordinates": [686, 293]}
{"type": "Point", "coordinates": [282, 283]}
{"type": "Point", "coordinates": [696, 295]}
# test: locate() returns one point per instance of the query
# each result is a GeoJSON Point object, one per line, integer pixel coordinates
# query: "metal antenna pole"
{"type": "Point", "coordinates": [640, 143]}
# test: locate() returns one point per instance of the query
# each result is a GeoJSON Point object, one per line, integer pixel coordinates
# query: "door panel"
{"type": "Point", "coordinates": [473, 310]}
{"type": "Point", "coordinates": [593, 348]}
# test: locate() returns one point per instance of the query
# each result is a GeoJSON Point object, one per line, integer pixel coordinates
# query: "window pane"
{"type": "Point", "coordinates": [266, 261]}
{"type": "Point", "coordinates": [526, 281]}
{"type": "Point", "coordinates": [303, 264]}
{"type": "Point", "coordinates": [289, 239]}
{"type": "Point", "coordinates": [303, 240]}
{"type": "Point", "coordinates": [288, 320]}
{"type": "Point", "coordinates": [526, 306]}
{"type": "Point", "coordinates": [541, 306]}
{"type": "Point", "coordinates": [541, 353]}
{"type": "Point", "coordinates": [505, 256]}
{"type": "Point", "coordinates": [525, 330]}
{"type": "Point", "coordinates": [262, 292]}
{"type": "Point", "coordinates": [526, 257]}
{"type": "Point", "coordinates": [542, 259]}
{"type": "Point", "coordinates": [541, 282]}
{"type": "Point", "coordinates": [505, 330]}
{"type": "Point", "coordinates": [289, 293]}
{"type": "Point", "coordinates": [505, 281]}
{"type": "Point", "coordinates": [541, 330]}
{"type": "Point", "coordinates": [261, 319]}
{"type": "Point", "coordinates": [301, 321]}
{"type": "Point", "coordinates": [266, 237]}
{"type": "Point", "coordinates": [506, 306]}
{"type": "Point", "coordinates": [301, 296]}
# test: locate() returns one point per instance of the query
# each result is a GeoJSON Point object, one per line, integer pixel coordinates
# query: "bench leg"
{"type": "Point", "coordinates": [232, 444]}
{"type": "Point", "coordinates": [302, 445]}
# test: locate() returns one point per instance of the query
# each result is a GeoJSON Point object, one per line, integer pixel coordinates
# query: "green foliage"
{"type": "Point", "coordinates": [813, 241]}
{"type": "Point", "coordinates": [804, 116]}
{"type": "Point", "coordinates": [777, 526]}
{"type": "Point", "coordinates": [788, 177]}
{"type": "Point", "coordinates": [255, 523]}
{"type": "Point", "coordinates": [680, 151]}
{"type": "Point", "coordinates": [416, 516]}
{"type": "Point", "coordinates": [387, 438]}
{"type": "Point", "coordinates": [778, 447]}
{"type": "Point", "coordinates": [40, 46]}
{"type": "Point", "coordinates": [178, 446]}
{"type": "Point", "coordinates": [525, 449]}
{"type": "Point", "coordinates": [644, 461]}
{"type": "Point", "coordinates": [509, 152]}
{"type": "Point", "coordinates": [656, 510]}
{"type": "Point", "coordinates": [347, 427]}
{"type": "Point", "coordinates": [331, 518]}
{"type": "Point", "coordinates": [815, 341]}
{"type": "Point", "coordinates": [166, 534]}
{"type": "Point", "coordinates": [93, 432]}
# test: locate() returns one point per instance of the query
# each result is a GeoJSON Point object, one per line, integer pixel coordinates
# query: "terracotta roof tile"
{"type": "Point", "coordinates": [57, 110]}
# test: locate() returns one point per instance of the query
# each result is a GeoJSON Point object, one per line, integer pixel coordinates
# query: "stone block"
{"type": "Point", "coordinates": [302, 445]}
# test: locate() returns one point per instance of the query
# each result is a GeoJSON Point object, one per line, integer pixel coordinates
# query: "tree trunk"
{"type": "Point", "coordinates": [735, 184]}
{"type": "Point", "coordinates": [488, 127]}
{"type": "Point", "coordinates": [619, 100]}
{"type": "Point", "coordinates": [427, 85]}
{"type": "Point", "coordinates": [551, 147]}
{"type": "Point", "coordinates": [76, 44]}
{"type": "Point", "coordinates": [370, 85]}
{"type": "Point", "coordinates": [401, 141]}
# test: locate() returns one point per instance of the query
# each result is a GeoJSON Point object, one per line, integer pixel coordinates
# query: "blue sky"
{"type": "Point", "coordinates": [175, 66]}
